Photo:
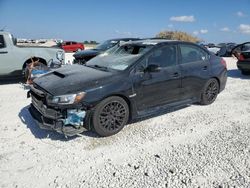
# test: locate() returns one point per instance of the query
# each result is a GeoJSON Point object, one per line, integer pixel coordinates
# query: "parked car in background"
{"type": "Point", "coordinates": [242, 53]}
{"type": "Point", "coordinates": [82, 57]}
{"type": "Point", "coordinates": [71, 46]}
{"type": "Point", "coordinates": [225, 49]}
{"type": "Point", "coordinates": [211, 45]}
{"type": "Point", "coordinates": [132, 80]}
{"type": "Point", "coordinates": [15, 59]}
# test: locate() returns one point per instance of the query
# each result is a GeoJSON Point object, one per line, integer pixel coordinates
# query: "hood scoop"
{"type": "Point", "coordinates": [59, 74]}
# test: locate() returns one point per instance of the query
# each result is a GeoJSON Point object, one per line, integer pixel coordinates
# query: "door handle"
{"type": "Point", "coordinates": [205, 68]}
{"type": "Point", "coordinates": [176, 75]}
{"type": "Point", "coordinates": [3, 52]}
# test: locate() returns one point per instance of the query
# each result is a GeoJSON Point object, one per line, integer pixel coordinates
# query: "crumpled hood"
{"type": "Point", "coordinates": [72, 79]}
{"type": "Point", "coordinates": [86, 53]}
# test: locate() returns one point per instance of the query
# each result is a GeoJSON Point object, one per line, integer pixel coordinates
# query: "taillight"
{"type": "Point", "coordinates": [241, 58]}
{"type": "Point", "coordinates": [223, 62]}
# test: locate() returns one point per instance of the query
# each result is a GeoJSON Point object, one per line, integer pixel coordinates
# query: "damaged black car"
{"type": "Point", "coordinates": [134, 80]}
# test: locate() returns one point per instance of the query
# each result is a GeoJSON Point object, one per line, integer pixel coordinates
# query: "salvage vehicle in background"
{"type": "Point", "coordinates": [132, 80]}
{"type": "Point", "coordinates": [15, 59]}
{"type": "Point", "coordinates": [72, 46]}
{"type": "Point", "coordinates": [242, 53]}
{"type": "Point", "coordinates": [82, 57]}
{"type": "Point", "coordinates": [225, 49]}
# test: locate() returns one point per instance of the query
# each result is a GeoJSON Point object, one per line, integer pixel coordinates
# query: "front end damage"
{"type": "Point", "coordinates": [69, 120]}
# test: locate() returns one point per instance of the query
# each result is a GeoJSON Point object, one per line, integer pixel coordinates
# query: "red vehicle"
{"type": "Point", "coordinates": [71, 46]}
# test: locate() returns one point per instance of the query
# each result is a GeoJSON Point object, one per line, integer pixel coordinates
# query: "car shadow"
{"type": "Point", "coordinates": [235, 73]}
{"type": "Point", "coordinates": [39, 133]}
{"type": "Point", "coordinates": [5, 81]}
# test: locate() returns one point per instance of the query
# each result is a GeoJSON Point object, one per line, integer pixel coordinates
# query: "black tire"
{"type": "Point", "coordinates": [210, 92]}
{"type": "Point", "coordinates": [110, 116]}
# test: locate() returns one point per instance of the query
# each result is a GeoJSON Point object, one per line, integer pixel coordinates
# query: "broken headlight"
{"type": "Point", "coordinates": [67, 99]}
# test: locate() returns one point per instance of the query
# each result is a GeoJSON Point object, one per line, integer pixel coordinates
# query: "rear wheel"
{"type": "Point", "coordinates": [210, 92]}
{"type": "Point", "coordinates": [110, 116]}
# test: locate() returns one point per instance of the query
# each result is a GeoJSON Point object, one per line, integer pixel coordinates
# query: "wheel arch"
{"type": "Point", "coordinates": [42, 60]}
{"type": "Point", "coordinates": [218, 80]}
{"type": "Point", "coordinates": [124, 97]}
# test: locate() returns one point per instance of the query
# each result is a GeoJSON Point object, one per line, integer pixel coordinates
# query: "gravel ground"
{"type": "Point", "coordinates": [196, 146]}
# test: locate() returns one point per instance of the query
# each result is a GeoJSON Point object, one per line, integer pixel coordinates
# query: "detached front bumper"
{"type": "Point", "coordinates": [68, 121]}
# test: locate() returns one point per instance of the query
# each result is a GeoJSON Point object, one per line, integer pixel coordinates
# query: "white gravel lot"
{"type": "Point", "coordinates": [196, 146]}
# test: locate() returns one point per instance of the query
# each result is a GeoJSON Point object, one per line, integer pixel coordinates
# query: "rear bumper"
{"type": "Point", "coordinates": [243, 65]}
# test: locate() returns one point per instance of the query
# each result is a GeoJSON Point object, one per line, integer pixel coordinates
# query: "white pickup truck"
{"type": "Point", "coordinates": [14, 59]}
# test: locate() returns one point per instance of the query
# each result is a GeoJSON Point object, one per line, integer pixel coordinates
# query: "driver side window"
{"type": "Point", "coordinates": [164, 56]}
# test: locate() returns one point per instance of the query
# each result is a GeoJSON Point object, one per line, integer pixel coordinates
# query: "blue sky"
{"type": "Point", "coordinates": [210, 20]}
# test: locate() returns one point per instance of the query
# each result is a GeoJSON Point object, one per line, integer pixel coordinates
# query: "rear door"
{"type": "Point", "coordinates": [74, 46]}
{"type": "Point", "coordinates": [158, 88]}
{"type": "Point", "coordinates": [195, 70]}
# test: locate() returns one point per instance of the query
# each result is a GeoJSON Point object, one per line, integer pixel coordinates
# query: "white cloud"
{"type": "Point", "coordinates": [196, 32]}
{"type": "Point", "coordinates": [182, 18]}
{"type": "Point", "coordinates": [244, 28]}
{"type": "Point", "coordinates": [203, 31]}
{"type": "Point", "coordinates": [225, 29]}
{"type": "Point", "coordinates": [240, 14]}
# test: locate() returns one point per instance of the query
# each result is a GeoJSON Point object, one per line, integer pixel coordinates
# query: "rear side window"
{"type": "Point", "coordinates": [190, 53]}
{"type": "Point", "coordinates": [164, 57]}
{"type": "Point", "coordinates": [67, 43]}
{"type": "Point", "coordinates": [2, 44]}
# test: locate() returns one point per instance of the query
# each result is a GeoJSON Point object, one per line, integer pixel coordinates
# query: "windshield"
{"type": "Point", "coordinates": [119, 57]}
{"type": "Point", "coordinates": [106, 45]}
{"type": "Point", "coordinates": [14, 40]}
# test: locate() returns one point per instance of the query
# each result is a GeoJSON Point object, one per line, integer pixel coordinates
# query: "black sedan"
{"type": "Point", "coordinates": [83, 56]}
{"type": "Point", "coordinates": [134, 80]}
{"type": "Point", "coordinates": [242, 53]}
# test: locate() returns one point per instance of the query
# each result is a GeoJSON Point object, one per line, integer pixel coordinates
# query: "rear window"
{"type": "Point", "coordinates": [2, 44]}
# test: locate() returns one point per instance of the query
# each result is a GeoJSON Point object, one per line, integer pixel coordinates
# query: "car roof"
{"type": "Point", "coordinates": [151, 41]}
{"type": "Point", "coordinates": [124, 39]}
{"type": "Point", "coordinates": [69, 41]}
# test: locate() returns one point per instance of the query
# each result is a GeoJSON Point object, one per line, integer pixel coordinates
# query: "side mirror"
{"type": "Point", "coordinates": [152, 68]}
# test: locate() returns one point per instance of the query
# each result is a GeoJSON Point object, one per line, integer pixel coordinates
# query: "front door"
{"type": "Point", "coordinates": [158, 87]}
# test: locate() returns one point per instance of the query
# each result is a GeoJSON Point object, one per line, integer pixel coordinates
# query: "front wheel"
{"type": "Point", "coordinates": [210, 92]}
{"type": "Point", "coordinates": [110, 116]}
